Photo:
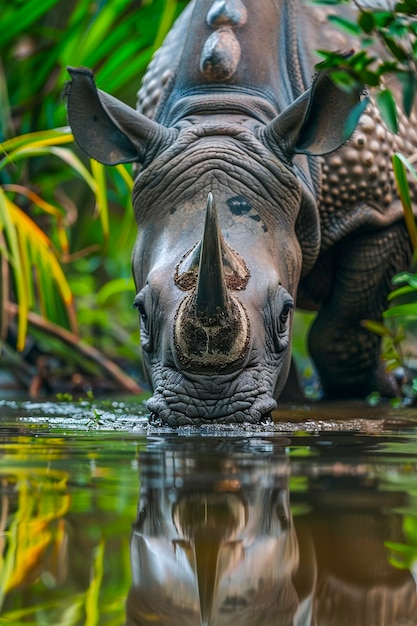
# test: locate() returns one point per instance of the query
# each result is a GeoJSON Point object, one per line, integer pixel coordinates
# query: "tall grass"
{"type": "Point", "coordinates": [56, 208]}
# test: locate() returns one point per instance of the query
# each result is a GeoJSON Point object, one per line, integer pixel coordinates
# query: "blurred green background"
{"type": "Point", "coordinates": [63, 277]}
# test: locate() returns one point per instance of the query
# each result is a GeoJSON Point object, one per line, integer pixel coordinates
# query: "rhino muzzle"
{"type": "Point", "coordinates": [217, 342]}
{"type": "Point", "coordinates": [211, 330]}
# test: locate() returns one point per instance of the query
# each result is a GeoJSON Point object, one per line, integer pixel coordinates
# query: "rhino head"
{"type": "Point", "coordinates": [227, 223]}
{"type": "Point", "coordinates": [214, 541]}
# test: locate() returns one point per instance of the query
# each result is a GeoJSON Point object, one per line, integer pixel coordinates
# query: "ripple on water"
{"type": "Point", "coordinates": [132, 415]}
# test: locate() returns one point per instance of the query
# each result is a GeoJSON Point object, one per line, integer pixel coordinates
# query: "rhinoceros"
{"type": "Point", "coordinates": [249, 199]}
{"type": "Point", "coordinates": [214, 541]}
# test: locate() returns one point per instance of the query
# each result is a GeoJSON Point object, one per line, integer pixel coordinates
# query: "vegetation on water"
{"type": "Point", "coordinates": [62, 276]}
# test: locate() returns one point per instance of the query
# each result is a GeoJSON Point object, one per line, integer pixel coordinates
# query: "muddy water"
{"type": "Point", "coordinates": [106, 521]}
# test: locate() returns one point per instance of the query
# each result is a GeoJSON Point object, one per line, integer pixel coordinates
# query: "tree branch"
{"type": "Point", "coordinates": [126, 382]}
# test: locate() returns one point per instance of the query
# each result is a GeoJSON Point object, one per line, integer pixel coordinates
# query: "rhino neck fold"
{"type": "Point", "coordinates": [204, 100]}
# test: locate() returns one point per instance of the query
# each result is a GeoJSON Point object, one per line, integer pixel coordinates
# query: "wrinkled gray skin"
{"type": "Point", "coordinates": [238, 125]}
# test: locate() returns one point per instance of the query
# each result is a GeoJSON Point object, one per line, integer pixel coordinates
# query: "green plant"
{"type": "Point", "coordinates": [403, 311]}
{"type": "Point", "coordinates": [396, 31]}
{"type": "Point", "coordinates": [31, 255]}
{"type": "Point", "coordinates": [56, 209]}
{"type": "Point", "coordinates": [62, 516]}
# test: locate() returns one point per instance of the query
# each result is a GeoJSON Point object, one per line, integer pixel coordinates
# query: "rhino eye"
{"type": "Point", "coordinates": [285, 313]}
{"type": "Point", "coordinates": [284, 306]}
{"type": "Point", "coordinates": [141, 309]}
{"type": "Point", "coordinates": [140, 306]}
{"type": "Point", "coordinates": [145, 334]}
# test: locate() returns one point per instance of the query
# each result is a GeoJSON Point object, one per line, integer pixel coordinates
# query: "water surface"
{"type": "Point", "coordinates": [105, 520]}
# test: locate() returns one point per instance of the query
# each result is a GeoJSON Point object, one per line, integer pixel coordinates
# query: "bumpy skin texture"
{"type": "Point", "coordinates": [364, 244]}
{"type": "Point", "coordinates": [363, 237]}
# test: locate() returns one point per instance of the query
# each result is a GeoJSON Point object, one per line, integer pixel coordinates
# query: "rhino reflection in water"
{"type": "Point", "coordinates": [214, 542]}
{"type": "Point", "coordinates": [239, 125]}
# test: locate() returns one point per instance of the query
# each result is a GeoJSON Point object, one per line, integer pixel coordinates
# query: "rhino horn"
{"type": "Point", "coordinates": [211, 325]}
{"type": "Point", "coordinates": [213, 265]}
{"type": "Point", "coordinates": [211, 294]}
{"type": "Point", "coordinates": [107, 129]}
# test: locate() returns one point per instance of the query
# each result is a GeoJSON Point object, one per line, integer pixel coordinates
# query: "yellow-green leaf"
{"type": "Point", "coordinates": [8, 226]}
{"type": "Point", "coordinates": [99, 176]}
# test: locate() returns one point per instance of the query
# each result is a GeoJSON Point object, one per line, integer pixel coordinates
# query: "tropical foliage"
{"type": "Point", "coordinates": [59, 267]}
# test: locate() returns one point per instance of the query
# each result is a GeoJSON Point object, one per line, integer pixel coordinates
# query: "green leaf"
{"type": "Point", "coordinates": [387, 66]}
{"type": "Point", "coordinates": [344, 80]}
{"type": "Point", "coordinates": [361, 60]}
{"type": "Point", "coordinates": [128, 65]}
{"type": "Point", "coordinates": [410, 529]}
{"type": "Point", "coordinates": [115, 286]}
{"type": "Point", "coordinates": [400, 164]}
{"type": "Point", "coordinates": [40, 139]}
{"type": "Point", "coordinates": [99, 175]}
{"type": "Point", "coordinates": [409, 91]}
{"type": "Point", "coordinates": [402, 291]}
{"type": "Point", "coordinates": [330, 60]}
{"type": "Point", "coordinates": [22, 15]}
{"type": "Point", "coordinates": [402, 310]}
{"type": "Point", "coordinates": [402, 555]}
{"type": "Point", "coordinates": [20, 277]}
{"type": "Point", "coordinates": [405, 277]}
{"type": "Point", "coordinates": [369, 78]}
{"type": "Point", "coordinates": [411, 4]}
{"type": "Point", "coordinates": [383, 18]}
{"type": "Point", "coordinates": [377, 327]}
{"type": "Point", "coordinates": [394, 48]}
{"type": "Point", "coordinates": [388, 109]}
{"type": "Point", "coordinates": [366, 21]}
{"type": "Point", "coordinates": [126, 176]}
{"type": "Point", "coordinates": [348, 26]}
{"type": "Point", "coordinates": [92, 604]}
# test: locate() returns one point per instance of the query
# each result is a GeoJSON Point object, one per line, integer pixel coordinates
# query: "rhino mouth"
{"type": "Point", "coordinates": [211, 400]}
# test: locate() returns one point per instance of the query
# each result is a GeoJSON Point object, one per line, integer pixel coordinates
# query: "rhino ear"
{"type": "Point", "coordinates": [315, 123]}
{"type": "Point", "coordinates": [105, 128]}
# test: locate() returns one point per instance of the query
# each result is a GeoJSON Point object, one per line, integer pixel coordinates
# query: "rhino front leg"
{"type": "Point", "coordinates": [347, 355]}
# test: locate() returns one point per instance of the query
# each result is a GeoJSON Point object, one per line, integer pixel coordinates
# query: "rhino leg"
{"type": "Point", "coordinates": [346, 354]}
